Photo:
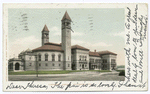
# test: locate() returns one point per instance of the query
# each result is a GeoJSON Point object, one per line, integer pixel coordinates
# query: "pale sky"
{"type": "Point", "coordinates": [100, 29]}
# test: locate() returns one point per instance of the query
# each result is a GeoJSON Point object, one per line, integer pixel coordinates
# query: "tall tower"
{"type": "Point", "coordinates": [45, 35]}
{"type": "Point", "coordinates": [66, 40]}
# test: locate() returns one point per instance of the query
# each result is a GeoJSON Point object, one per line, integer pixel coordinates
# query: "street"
{"type": "Point", "coordinates": [66, 77]}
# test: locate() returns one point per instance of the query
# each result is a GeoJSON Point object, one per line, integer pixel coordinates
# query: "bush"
{"type": "Point", "coordinates": [122, 73]}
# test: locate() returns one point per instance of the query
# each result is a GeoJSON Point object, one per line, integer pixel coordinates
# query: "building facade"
{"type": "Point", "coordinates": [63, 56]}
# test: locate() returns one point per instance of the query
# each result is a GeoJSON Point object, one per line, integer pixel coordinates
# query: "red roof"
{"type": "Point", "coordinates": [78, 47]}
{"type": "Point", "coordinates": [45, 28]}
{"type": "Point", "coordinates": [106, 52]}
{"type": "Point", "coordinates": [50, 43]}
{"type": "Point", "coordinates": [49, 47]}
{"type": "Point", "coordinates": [66, 16]}
{"type": "Point", "coordinates": [94, 54]}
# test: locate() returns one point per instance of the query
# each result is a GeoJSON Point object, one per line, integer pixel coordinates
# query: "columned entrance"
{"type": "Point", "coordinates": [17, 65]}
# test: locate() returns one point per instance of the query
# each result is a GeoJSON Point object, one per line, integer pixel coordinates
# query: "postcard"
{"type": "Point", "coordinates": [75, 47]}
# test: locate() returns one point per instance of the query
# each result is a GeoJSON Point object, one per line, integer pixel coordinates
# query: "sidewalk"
{"type": "Point", "coordinates": [75, 73]}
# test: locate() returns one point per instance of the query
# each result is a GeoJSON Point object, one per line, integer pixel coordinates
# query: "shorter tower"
{"type": "Point", "coordinates": [45, 35]}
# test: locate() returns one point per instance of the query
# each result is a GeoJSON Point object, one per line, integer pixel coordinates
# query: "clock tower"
{"type": "Point", "coordinates": [66, 40]}
{"type": "Point", "coordinates": [45, 35]}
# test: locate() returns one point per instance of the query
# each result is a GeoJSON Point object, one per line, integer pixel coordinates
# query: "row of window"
{"type": "Point", "coordinates": [46, 57]}
{"type": "Point", "coordinates": [30, 64]}
{"type": "Point", "coordinates": [113, 61]}
{"type": "Point", "coordinates": [83, 65]}
{"type": "Point", "coordinates": [84, 58]}
{"type": "Point", "coordinates": [96, 60]}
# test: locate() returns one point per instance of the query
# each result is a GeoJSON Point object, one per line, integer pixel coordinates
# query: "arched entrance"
{"type": "Point", "coordinates": [17, 65]}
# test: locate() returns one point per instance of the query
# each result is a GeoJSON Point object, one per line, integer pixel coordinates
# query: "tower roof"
{"type": "Point", "coordinates": [45, 28]}
{"type": "Point", "coordinates": [66, 16]}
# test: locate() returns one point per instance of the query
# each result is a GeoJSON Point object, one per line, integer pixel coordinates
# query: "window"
{"type": "Point", "coordinates": [46, 57]}
{"type": "Point", "coordinates": [85, 65]}
{"type": "Point", "coordinates": [80, 57]}
{"type": "Point", "coordinates": [53, 64]}
{"type": "Point", "coordinates": [91, 60]}
{"type": "Point", "coordinates": [46, 64]}
{"type": "Point", "coordinates": [59, 64]}
{"type": "Point", "coordinates": [80, 65]}
{"type": "Point", "coordinates": [30, 64]}
{"type": "Point", "coordinates": [39, 64]}
{"type": "Point", "coordinates": [29, 58]}
{"type": "Point", "coordinates": [85, 58]}
{"type": "Point", "coordinates": [39, 57]}
{"type": "Point", "coordinates": [113, 61]}
{"type": "Point", "coordinates": [53, 57]}
{"type": "Point", "coordinates": [59, 57]}
{"type": "Point", "coordinates": [68, 65]}
{"type": "Point", "coordinates": [104, 60]}
{"type": "Point", "coordinates": [97, 60]}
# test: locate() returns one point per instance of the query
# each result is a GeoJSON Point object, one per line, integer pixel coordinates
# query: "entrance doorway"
{"type": "Point", "coordinates": [82, 66]}
{"type": "Point", "coordinates": [17, 66]}
{"type": "Point", "coordinates": [73, 66]}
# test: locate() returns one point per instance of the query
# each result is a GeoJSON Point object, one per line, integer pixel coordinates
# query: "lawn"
{"type": "Point", "coordinates": [52, 72]}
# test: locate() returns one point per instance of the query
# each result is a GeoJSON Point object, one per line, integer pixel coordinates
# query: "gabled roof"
{"type": "Point", "coordinates": [106, 53]}
{"type": "Point", "coordinates": [49, 47]}
{"type": "Point", "coordinates": [45, 28]}
{"type": "Point", "coordinates": [78, 47]}
{"type": "Point", "coordinates": [66, 16]}
{"type": "Point", "coordinates": [94, 54]}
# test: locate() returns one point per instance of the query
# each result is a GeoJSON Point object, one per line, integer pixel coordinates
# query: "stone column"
{"type": "Point", "coordinates": [20, 66]}
{"type": "Point", "coordinates": [13, 66]}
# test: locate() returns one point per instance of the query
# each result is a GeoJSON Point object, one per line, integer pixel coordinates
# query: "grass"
{"type": "Point", "coordinates": [52, 72]}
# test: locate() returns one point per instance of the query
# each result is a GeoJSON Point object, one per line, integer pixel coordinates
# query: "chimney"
{"type": "Point", "coordinates": [94, 50]}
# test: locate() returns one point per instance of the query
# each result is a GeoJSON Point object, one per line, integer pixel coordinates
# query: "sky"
{"type": "Point", "coordinates": [99, 28]}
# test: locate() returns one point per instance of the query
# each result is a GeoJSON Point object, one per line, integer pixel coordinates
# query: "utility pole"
{"type": "Point", "coordinates": [36, 65]}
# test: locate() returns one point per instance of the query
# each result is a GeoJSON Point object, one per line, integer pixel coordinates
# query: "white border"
{"type": "Point", "coordinates": [42, 2]}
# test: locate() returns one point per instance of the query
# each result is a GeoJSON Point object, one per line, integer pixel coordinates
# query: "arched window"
{"type": "Point", "coordinates": [80, 57]}
{"type": "Point", "coordinates": [59, 57]}
{"type": "Point", "coordinates": [39, 57]}
{"type": "Point", "coordinates": [85, 58]}
{"type": "Point", "coordinates": [46, 57]}
{"type": "Point", "coordinates": [53, 57]}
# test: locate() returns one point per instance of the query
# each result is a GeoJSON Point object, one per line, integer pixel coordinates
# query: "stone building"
{"type": "Point", "coordinates": [63, 56]}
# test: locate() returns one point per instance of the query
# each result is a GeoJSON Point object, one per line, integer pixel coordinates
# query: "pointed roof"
{"type": "Point", "coordinates": [45, 28]}
{"type": "Point", "coordinates": [66, 16]}
{"type": "Point", "coordinates": [78, 47]}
